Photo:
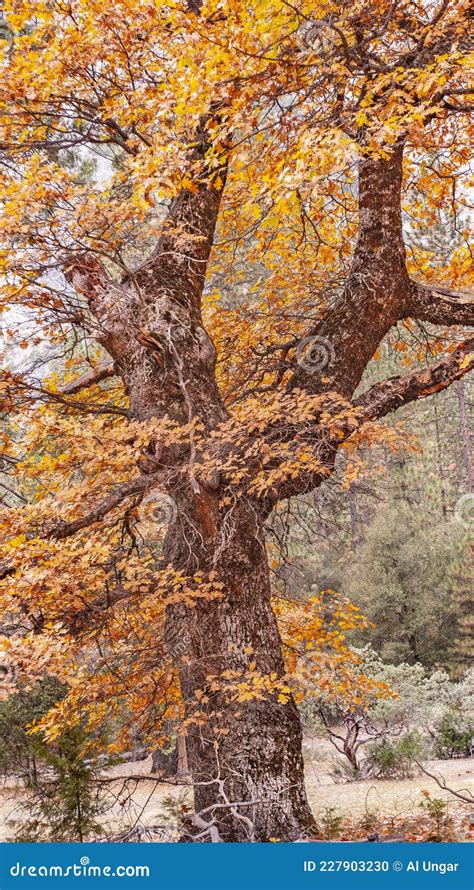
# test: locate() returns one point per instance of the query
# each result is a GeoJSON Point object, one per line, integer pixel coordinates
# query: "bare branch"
{"type": "Point", "coordinates": [63, 530]}
{"type": "Point", "coordinates": [91, 377]}
{"type": "Point", "coordinates": [129, 489]}
{"type": "Point", "coordinates": [385, 397]}
{"type": "Point", "coordinates": [464, 794]}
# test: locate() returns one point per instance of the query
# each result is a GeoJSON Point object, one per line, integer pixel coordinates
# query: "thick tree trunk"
{"type": "Point", "coordinates": [244, 734]}
{"type": "Point", "coordinates": [244, 753]}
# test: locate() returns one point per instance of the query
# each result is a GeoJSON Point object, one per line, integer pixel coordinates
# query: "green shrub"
{"type": "Point", "coordinates": [441, 823]}
{"type": "Point", "coordinates": [20, 753]}
{"type": "Point", "coordinates": [64, 803]}
{"type": "Point", "coordinates": [330, 824]}
{"type": "Point", "coordinates": [395, 759]}
{"type": "Point", "coordinates": [453, 735]}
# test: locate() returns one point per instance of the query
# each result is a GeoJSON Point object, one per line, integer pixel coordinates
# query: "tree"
{"type": "Point", "coordinates": [379, 720]}
{"type": "Point", "coordinates": [403, 580]}
{"type": "Point", "coordinates": [60, 793]}
{"type": "Point", "coordinates": [20, 751]}
{"type": "Point", "coordinates": [293, 135]}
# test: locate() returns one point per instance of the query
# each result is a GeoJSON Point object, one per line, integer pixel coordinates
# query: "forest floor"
{"type": "Point", "coordinates": [387, 807]}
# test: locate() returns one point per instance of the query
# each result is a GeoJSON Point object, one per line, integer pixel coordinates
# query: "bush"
{"type": "Point", "coordinates": [20, 752]}
{"type": "Point", "coordinates": [453, 736]}
{"type": "Point", "coordinates": [441, 824]}
{"type": "Point", "coordinates": [330, 824]}
{"type": "Point", "coordinates": [395, 759]}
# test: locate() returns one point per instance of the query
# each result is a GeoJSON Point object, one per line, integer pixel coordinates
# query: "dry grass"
{"type": "Point", "coordinates": [395, 796]}
{"type": "Point", "coordinates": [142, 798]}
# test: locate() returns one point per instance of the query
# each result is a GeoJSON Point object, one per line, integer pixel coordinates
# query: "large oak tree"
{"type": "Point", "coordinates": [252, 235]}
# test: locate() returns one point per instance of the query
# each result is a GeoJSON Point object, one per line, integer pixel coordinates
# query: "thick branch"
{"type": "Point", "coordinates": [111, 304]}
{"type": "Point", "coordinates": [153, 315]}
{"type": "Point", "coordinates": [381, 399]}
{"type": "Point", "coordinates": [91, 377]}
{"type": "Point", "coordinates": [385, 397]}
{"type": "Point", "coordinates": [182, 252]}
{"type": "Point", "coordinates": [441, 305]}
{"type": "Point", "coordinates": [376, 294]}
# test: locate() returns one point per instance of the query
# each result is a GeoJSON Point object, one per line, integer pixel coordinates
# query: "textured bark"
{"type": "Point", "coordinates": [378, 291]}
{"type": "Point", "coordinates": [245, 753]}
{"type": "Point", "coordinates": [387, 396]}
{"type": "Point", "coordinates": [441, 306]}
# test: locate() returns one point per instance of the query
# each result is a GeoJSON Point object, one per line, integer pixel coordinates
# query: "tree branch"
{"type": "Point", "coordinates": [63, 530]}
{"type": "Point", "coordinates": [440, 305]}
{"type": "Point", "coordinates": [128, 489]}
{"type": "Point", "coordinates": [464, 794]}
{"type": "Point", "coordinates": [91, 377]}
{"type": "Point", "coordinates": [388, 396]}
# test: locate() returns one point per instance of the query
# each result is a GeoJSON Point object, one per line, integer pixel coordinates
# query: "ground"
{"type": "Point", "coordinates": [389, 807]}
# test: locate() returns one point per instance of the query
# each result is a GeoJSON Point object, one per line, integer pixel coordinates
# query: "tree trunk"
{"type": "Point", "coordinates": [354, 514]}
{"type": "Point", "coordinates": [182, 752]}
{"type": "Point", "coordinates": [245, 755]}
{"type": "Point", "coordinates": [465, 435]}
{"type": "Point", "coordinates": [440, 468]}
